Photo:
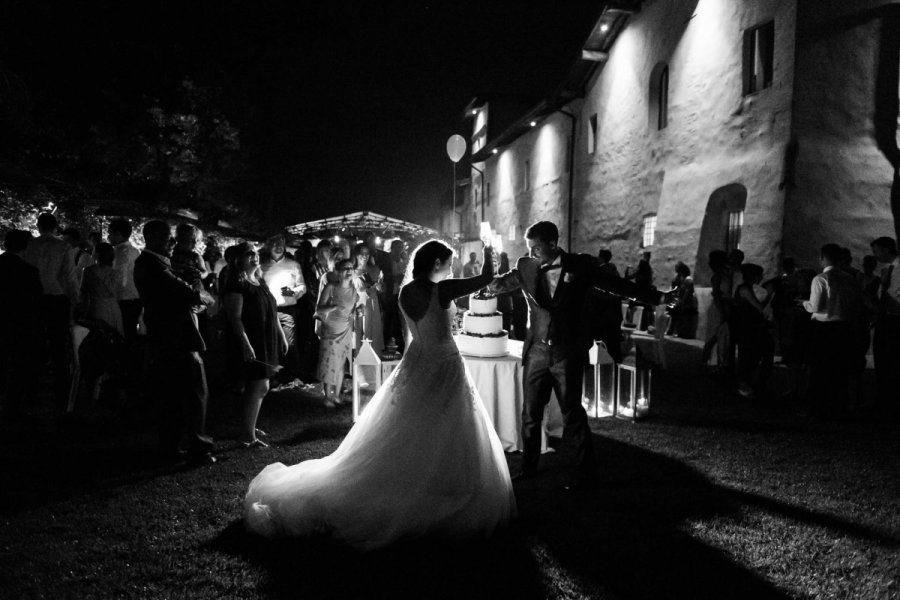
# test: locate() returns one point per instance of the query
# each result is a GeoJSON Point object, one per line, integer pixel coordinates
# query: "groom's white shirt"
{"type": "Point", "coordinates": [553, 275]}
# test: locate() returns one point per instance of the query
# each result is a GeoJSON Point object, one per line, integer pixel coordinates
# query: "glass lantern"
{"type": "Point", "coordinates": [367, 378]}
{"type": "Point", "coordinates": [633, 392]}
{"type": "Point", "coordinates": [599, 397]}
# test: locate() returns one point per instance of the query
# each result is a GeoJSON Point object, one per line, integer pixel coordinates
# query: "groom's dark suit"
{"type": "Point", "coordinates": [556, 346]}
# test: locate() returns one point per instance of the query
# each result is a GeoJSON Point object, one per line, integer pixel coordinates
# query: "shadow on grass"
{"type": "Point", "coordinates": [629, 539]}
{"type": "Point", "coordinates": [501, 567]}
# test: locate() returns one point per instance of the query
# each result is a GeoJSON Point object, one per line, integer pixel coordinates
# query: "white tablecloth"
{"type": "Point", "coordinates": [499, 383]}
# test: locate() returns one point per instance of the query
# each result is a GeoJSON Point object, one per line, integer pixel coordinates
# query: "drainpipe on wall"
{"type": "Point", "coordinates": [570, 211]}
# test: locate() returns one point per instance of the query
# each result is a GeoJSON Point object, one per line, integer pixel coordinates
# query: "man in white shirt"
{"type": "Point", "coordinates": [886, 342]}
{"type": "Point", "coordinates": [835, 304]}
{"type": "Point", "coordinates": [129, 298]}
{"type": "Point", "coordinates": [285, 281]}
{"type": "Point", "coordinates": [53, 258]}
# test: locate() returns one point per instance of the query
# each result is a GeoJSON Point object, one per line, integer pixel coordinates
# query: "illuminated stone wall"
{"type": "Point", "coordinates": [513, 203]}
{"type": "Point", "coordinates": [715, 136]}
{"type": "Point", "coordinates": [841, 188]}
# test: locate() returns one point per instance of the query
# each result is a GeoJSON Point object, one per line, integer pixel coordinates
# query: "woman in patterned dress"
{"type": "Point", "coordinates": [337, 309]}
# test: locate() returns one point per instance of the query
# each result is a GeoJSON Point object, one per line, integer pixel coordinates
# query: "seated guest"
{"type": "Point", "coordinates": [684, 312]}
{"type": "Point", "coordinates": [252, 316]}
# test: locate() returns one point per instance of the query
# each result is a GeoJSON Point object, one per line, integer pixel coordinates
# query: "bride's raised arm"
{"type": "Point", "coordinates": [451, 289]}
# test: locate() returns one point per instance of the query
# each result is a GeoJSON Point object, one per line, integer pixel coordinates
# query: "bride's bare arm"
{"type": "Point", "coordinates": [451, 289]}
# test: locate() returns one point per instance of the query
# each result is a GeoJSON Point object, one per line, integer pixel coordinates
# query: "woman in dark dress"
{"type": "Point", "coordinates": [252, 315]}
{"type": "Point", "coordinates": [751, 329]}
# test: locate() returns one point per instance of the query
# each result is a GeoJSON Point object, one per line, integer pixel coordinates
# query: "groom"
{"type": "Point", "coordinates": [556, 286]}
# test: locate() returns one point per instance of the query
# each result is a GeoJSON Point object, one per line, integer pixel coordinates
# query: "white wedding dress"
{"type": "Point", "coordinates": [423, 459]}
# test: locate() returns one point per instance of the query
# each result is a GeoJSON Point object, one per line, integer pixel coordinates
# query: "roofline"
{"type": "Point", "coordinates": [595, 51]}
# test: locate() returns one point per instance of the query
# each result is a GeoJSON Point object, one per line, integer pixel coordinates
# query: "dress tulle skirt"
{"type": "Point", "coordinates": [423, 460]}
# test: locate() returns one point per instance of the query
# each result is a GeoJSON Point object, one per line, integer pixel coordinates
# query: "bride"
{"type": "Point", "coordinates": [423, 459]}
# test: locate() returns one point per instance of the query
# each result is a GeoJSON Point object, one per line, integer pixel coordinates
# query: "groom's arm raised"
{"type": "Point", "coordinates": [619, 286]}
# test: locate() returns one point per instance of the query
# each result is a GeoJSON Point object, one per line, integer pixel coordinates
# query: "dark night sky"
{"type": "Point", "coordinates": [348, 105]}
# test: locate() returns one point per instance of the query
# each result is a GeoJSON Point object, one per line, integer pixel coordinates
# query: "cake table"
{"type": "Point", "coordinates": [499, 383]}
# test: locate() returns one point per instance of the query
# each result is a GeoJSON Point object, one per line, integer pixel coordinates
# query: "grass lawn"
{"type": "Point", "coordinates": [711, 498]}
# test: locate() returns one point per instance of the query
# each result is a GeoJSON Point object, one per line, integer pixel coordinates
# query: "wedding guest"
{"type": "Point", "coordinates": [750, 327]}
{"type": "Point", "coordinates": [129, 298]}
{"type": "Point", "coordinates": [100, 291]}
{"type": "Point", "coordinates": [175, 344]}
{"type": "Point", "coordinates": [53, 258]}
{"type": "Point", "coordinates": [393, 279]}
{"type": "Point", "coordinates": [186, 261]}
{"type": "Point", "coordinates": [685, 310]}
{"type": "Point", "coordinates": [456, 268]}
{"type": "Point", "coordinates": [368, 282]}
{"type": "Point", "coordinates": [791, 322]}
{"type": "Point", "coordinates": [336, 309]}
{"type": "Point", "coordinates": [718, 329]}
{"type": "Point", "coordinates": [643, 279]}
{"type": "Point", "coordinates": [886, 341]}
{"type": "Point", "coordinates": [251, 310]}
{"type": "Point", "coordinates": [21, 295]}
{"type": "Point", "coordinates": [307, 341]}
{"type": "Point", "coordinates": [325, 255]}
{"type": "Point", "coordinates": [835, 307]}
{"type": "Point", "coordinates": [473, 267]}
{"type": "Point", "coordinates": [284, 279]}
{"type": "Point", "coordinates": [82, 254]}
{"type": "Point", "coordinates": [604, 257]}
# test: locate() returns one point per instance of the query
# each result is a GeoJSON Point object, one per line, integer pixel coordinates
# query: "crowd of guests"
{"type": "Point", "coordinates": [822, 323]}
{"type": "Point", "coordinates": [154, 313]}
{"type": "Point", "coordinates": [290, 320]}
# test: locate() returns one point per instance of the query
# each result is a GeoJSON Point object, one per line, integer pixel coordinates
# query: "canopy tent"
{"type": "Point", "coordinates": [358, 223]}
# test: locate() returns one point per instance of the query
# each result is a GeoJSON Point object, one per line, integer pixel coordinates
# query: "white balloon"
{"type": "Point", "coordinates": [456, 147]}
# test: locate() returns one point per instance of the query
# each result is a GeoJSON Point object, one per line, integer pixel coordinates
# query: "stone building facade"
{"type": "Point", "coordinates": [692, 125]}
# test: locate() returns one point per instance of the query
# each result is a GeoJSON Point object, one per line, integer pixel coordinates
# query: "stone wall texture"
{"type": "Point", "coordinates": [800, 154]}
{"type": "Point", "coordinates": [841, 191]}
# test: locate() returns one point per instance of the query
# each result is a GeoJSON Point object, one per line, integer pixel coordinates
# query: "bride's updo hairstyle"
{"type": "Point", "coordinates": [426, 254]}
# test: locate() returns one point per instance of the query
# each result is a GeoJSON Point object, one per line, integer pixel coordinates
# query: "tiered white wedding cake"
{"type": "Point", "coordinates": [482, 328]}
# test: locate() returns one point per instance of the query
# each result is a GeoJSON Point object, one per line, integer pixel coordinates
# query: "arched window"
{"type": "Point", "coordinates": [722, 226]}
{"type": "Point", "coordinates": [659, 96]}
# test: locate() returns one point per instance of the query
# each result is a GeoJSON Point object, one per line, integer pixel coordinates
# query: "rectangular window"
{"type": "Point", "coordinates": [649, 230]}
{"type": "Point", "coordinates": [759, 51]}
{"type": "Point", "coordinates": [733, 233]}
{"type": "Point", "coordinates": [592, 134]}
{"type": "Point", "coordinates": [526, 175]}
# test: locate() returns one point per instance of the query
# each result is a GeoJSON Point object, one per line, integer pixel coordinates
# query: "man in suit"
{"type": "Point", "coordinates": [20, 325]}
{"type": "Point", "coordinates": [177, 368]}
{"type": "Point", "coordinates": [54, 261]}
{"type": "Point", "coordinates": [556, 286]}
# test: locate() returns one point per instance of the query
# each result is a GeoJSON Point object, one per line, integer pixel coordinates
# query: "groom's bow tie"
{"type": "Point", "coordinates": [546, 268]}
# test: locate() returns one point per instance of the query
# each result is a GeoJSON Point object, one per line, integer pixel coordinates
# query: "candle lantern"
{"type": "Point", "coordinates": [599, 397]}
{"type": "Point", "coordinates": [633, 392]}
{"type": "Point", "coordinates": [370, 371]}
{"type": "Point", "coordinates": [366, 378]}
